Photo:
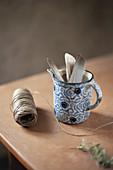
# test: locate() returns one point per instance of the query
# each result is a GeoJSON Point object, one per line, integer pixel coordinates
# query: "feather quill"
{"type": "Point", "coordinates": [69, 61]}
{"type": "Point", "coordinates": [78, 70]}
{"type": "Point", "coordinates": [54, 69]}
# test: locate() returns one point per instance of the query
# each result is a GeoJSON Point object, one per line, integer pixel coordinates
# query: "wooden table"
{"type": "Point", "coordinates": [46, 146]}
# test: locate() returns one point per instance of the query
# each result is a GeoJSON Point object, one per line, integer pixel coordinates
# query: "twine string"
{"type": "Point", "coordinates": [65, 130]}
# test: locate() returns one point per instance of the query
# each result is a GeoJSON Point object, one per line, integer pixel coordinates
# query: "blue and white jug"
{"type": "Point", "coordinates": [72, 101]}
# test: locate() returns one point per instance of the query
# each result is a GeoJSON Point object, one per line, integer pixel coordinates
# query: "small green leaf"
{"type": "Point", "coordinates": [97, 145]}
{"type": "Point", "coordinates": [80, 147]}
{"type": "Point", "coordinates": [99, 150]}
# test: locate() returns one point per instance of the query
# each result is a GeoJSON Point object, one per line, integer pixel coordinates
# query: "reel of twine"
{"type": "Point", "coordinates": [23, 107]}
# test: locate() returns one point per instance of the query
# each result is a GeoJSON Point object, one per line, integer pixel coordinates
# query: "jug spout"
{"type": "Point", "coordinates": [61, 71]}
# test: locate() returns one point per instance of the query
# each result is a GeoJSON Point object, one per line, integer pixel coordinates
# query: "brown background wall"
{"type": "Point", "coordinates": [32, 30]}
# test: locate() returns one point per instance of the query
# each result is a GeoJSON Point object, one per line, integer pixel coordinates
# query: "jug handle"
{"type": "Point", "coordinates": [98, 91]}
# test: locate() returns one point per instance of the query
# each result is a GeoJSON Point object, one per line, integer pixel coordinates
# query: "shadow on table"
{"type": "Point", "coordinates": [97, 119]}
{"type": "Point", "coordinates": [94, 121]}
{"type": "Point", "coordinates": [47, 124]}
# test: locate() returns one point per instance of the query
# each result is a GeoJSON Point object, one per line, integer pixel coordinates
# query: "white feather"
{"type": "Point", "coordinates": [78, 70]}
{"type": "Point", "coordinates": [54, 69]}
{"type": "Point", "coordinates": [70, 61]}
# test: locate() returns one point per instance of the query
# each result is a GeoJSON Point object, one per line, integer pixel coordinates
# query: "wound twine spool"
{"type": "Point", "coordinates": [23, 107]}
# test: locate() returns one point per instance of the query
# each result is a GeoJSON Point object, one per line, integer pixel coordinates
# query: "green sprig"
{"type": "Point", "coordinates": [97, 153]}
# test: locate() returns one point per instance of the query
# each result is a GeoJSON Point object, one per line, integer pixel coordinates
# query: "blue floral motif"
{"type": "Point", "coordinates": [72, 101]}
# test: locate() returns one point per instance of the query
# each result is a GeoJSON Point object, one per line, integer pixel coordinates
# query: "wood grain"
{"type": "Point", "coordinates": [45, 145]}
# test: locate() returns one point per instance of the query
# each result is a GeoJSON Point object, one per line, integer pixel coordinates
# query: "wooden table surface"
{"type": "Point", "coordinates": [45, 145]}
